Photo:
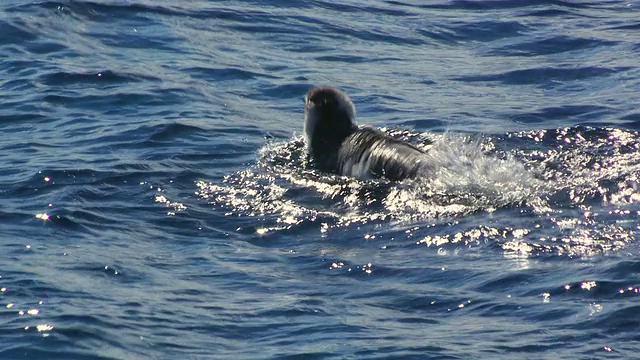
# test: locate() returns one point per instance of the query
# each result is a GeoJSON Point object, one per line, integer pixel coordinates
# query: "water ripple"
{"type": "Point", "coordinates": [154, 185]}
{"type": "Point", "coordinates": [544, 75]}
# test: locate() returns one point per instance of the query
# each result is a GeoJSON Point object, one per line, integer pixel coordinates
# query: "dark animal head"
{"type": "Point", "coordinates": [329, 118]}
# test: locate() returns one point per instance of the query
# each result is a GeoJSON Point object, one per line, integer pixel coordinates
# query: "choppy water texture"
{"type": "Point", "coordinates": [156, 203]}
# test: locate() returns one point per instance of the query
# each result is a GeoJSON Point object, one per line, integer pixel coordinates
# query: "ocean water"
{"type": "Point", "coordinates": [156, 203]}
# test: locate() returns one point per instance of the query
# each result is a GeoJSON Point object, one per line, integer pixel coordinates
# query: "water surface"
{"type": "Point", "coordinates": [155, 200]}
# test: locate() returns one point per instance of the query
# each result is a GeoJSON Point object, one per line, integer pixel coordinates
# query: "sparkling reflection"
{"type": "Point", "coordinates": [580, 186]}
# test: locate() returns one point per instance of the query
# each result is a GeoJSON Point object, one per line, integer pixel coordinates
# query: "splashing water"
{"type": "Point", "coordinates": [464, 180]}
{"type": "Point", "coordinates": [562, 184]}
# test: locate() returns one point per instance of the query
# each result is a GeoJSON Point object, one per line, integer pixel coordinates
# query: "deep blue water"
{"type": "Point", "coordinates": [155, 202]}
